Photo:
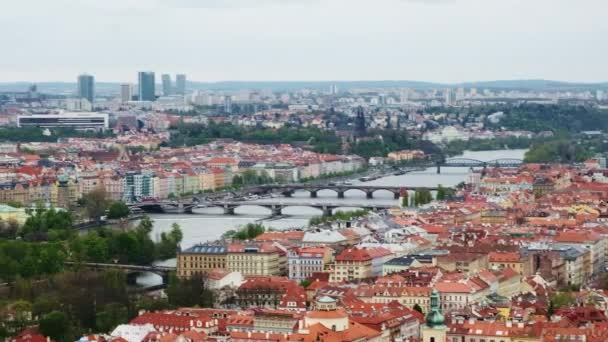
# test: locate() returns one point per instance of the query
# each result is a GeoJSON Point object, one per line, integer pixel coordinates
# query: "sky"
{"type": "Point", "coordinates": [288, 40]}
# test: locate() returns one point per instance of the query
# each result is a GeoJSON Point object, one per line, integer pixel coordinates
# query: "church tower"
{"type": "Point", "coordinates": [434, 329]}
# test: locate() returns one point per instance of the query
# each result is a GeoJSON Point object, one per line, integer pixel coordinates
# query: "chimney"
{"type": "Point", "coordinates": [472, 320]}
{"type": "Point", "coordinates": [520, 324]}
{"type": "Point", "coordinates": [509, 324]}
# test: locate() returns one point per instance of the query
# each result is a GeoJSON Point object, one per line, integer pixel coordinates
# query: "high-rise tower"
{"type": "Point", "coordinates": [86, 87]}
{"type": "Point", "coordinates": [167, 86]}
{"type": "Point", "coordinates": [146, 86]}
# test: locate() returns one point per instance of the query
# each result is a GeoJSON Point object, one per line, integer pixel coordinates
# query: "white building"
{"type": "Point", "coordinates": [77, 120]}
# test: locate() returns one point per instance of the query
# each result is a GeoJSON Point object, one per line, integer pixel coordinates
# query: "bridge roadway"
{"type": "Point", "coordinates": [277, 207]}
{"type": "Point", "coordinates": [162, 271]}
{"type": "Point", "coordinates": [288, 189]}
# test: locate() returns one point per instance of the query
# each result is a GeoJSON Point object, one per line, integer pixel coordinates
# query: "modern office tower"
{"type": "Point", "coordinates": [228, 104]}
{"type": "Point", "coordinates": [126, 92]}
{"type": "Point", "coordinates": [86, 87]}
{"type": "Point", "coordinates": [333, 89]}
{"type": "Point", "coordinates": [460, 95]}
{"type": "Point", "coordinates": [450, 96]}
{"type": "Point", "coordinates": [146, 86]}
{"type": "Point", "coordinates": [180, 84]}
{"type": "Point", "coordinates": [167, 86]}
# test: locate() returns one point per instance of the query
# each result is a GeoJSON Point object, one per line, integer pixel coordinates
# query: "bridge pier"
{"type": "Point", "coordinates": [228, 210]}
{"type": "Point", "coordinates": [277, 211]}
{"type": "Point", "coordinates": [132, 278]}
{"type": "Point", "coordinates": [327, 211]}
{"type": "Point", "coordinates": [288, 193]}
{"type": "Point", "coordinates": [369, 194]}
{"type": "Point", "coordinates": [341, 194]}
{"type": "Point", "coordinates": [396, 195]}
{"type": "Point", "coordinates": [313, 194]}
{"type": "Point", "coordinates": [438, 168]}
{"type": "Point", "coordinates": [165, 277]}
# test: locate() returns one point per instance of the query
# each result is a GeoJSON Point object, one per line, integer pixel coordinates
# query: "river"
{"type": "Point", "coordinates": [209, 224]}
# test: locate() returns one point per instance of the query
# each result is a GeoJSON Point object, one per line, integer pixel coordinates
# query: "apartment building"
{"type": "Point", "coordinates": [305, 261]}
{"type": "Point", "coordinates": [254, 259]}
{"type": "Point", "coordinates": [200, 259]}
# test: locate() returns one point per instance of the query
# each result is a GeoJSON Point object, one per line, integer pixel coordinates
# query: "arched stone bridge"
{"type": "Point", "coordinates": [131, 270]}
{"type": "Point", "coordinates": [288, 189]}
{"type": "Point", "coordinates": [276, 207]}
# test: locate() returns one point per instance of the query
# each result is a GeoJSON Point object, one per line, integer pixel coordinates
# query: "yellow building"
{"type": "Point", "coordinates": [263, 259]}
{"type": "Point", "coordinates": [501, 260]}
{"type": "Point", "coordinates": [409, 296]}
{"type": "Point", "coordinates": [200, 259]}
{"type": "Point", "coordinates": [64, 192]}
{"type": "Point", "coordinates": [469, 263]}
{"type": "Point", "coordinates": [350, 265]}
{"type": "Point", "coordinates": [255, 259]}
{"type": "Point", "coordinates": [14, 192]}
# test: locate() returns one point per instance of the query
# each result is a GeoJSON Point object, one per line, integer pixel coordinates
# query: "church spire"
{"type": "Point", "coordinates": [435, 319]}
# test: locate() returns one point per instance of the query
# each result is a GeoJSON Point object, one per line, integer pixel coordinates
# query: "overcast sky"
{"type": "Point", "coordinates": [212, 40]}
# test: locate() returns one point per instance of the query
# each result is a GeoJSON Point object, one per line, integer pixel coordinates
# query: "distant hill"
{"type": "Point", "coordinates": [68, 88]}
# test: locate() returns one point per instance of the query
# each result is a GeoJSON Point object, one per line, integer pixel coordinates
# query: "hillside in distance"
{"type": "Point", "coordinates": [68, 88]}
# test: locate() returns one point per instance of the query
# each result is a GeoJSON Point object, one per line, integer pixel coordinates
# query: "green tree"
{"type": "Point", "coordinates": [118, 210]}
{"type": "Point", "coordinates": [418, 308]}
{"type": "Point", "coordinates": [249, 231]}
{"type": "Point", "coordinates": [441, 193]}
{"type": "Point", "coordinates": [41, 221]}
{"type": "Point", "coordinates": [562, 299]}
{"type": "Point", "coordinates": [110, 316]}
{"type": "Point", "coordinates": [404, 199]}
{"type": "Point", "coordinates": [54, 325]}
{"type": "Point", "coordinates": [185, 292]}
{"type": "Point", "coordinates": [96, 203]}
{"type": "Point", "coordinates": [169, 242]}
{"type": "Point", "coordinates": [44, 304]}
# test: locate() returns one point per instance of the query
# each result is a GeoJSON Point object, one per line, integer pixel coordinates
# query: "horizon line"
{"type": "Point", "coordinates": [330, 81]}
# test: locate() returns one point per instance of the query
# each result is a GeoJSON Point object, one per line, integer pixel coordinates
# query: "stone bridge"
{"type": "Point", "coordinates": [288, 189]}
{"type": "Point", "coordinates": [132, 270]}
{"type": "Point", "coordinates": [276, 207]}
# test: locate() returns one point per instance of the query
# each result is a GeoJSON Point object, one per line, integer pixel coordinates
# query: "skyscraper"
{"type": "Point", "coordinates": [180, 84]}
{"type": "Point", "coordinates": [126, 92]}
{"type": "Point", "coordinates": [167, 87]}
{"type": "Point", "coordinates": [228, 104]}
{"type": "Point", "coordinates": [450, 96]}
{"type": "Point", "coordinates": [86, 87]}
{"type": "Point", "coordinates": [146, 86]}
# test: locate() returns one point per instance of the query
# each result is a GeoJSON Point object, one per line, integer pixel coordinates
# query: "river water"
{"type": "Point", "coordinates": [209, 224]}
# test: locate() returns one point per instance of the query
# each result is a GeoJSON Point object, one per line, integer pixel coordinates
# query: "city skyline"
{"type": "Point", "coordinates": [447, 41]}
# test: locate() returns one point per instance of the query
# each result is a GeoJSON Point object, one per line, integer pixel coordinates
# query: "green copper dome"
{"type": "Point", "coordinates": [435, 319]}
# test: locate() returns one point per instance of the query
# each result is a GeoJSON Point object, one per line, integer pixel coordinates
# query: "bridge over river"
{"type": "Point", "coordinates": [275, 206]}
{"type": "Point", "coordinates": [132, 270]}
{"type": "Point", "coordinates": [288, 189]}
